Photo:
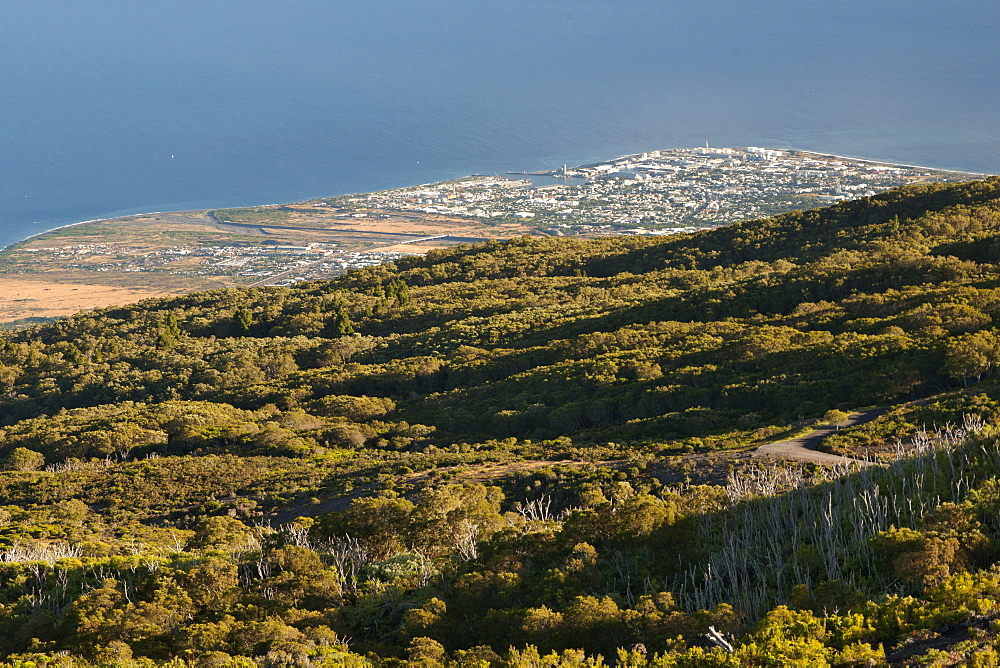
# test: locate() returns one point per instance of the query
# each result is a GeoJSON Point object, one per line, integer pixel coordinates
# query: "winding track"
{"type": "Point", "coordinates": [804, 447]}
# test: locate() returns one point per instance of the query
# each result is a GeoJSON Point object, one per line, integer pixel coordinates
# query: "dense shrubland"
{"type": "Point", "coordinates": [517, 453]}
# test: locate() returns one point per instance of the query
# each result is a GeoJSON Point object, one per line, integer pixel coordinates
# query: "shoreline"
{"type": "Point", "coordinates": [608, 160]}
{"type": "Point", "coordinates": [61, 227]}
{"type": "Point", "coordinates": [109, 218]}
{"type": "Point", "coordinates": [87, 222]}
{"type": "Point", "coordinates": [892, 164]}
{"type": "Point", "coordinates": [794, 150]}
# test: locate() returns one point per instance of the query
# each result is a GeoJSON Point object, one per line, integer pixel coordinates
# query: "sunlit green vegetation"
{"type": "Point", "coordinates": [253, 215]}
{"type": "Point", "coordinates": [526, 453]}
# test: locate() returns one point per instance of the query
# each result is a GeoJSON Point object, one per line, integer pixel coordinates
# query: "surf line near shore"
{"type": "Point", "coordinates": [889, 164]}
{"type": "Point", "coordinates": [138, 214]}
{"type": "Point", "coordinates": [82, 222]}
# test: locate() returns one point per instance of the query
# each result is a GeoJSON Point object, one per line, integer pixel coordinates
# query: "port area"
{"type": "Point", "coordinates": [121, 260]}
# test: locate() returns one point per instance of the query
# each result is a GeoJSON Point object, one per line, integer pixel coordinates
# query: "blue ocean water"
{"type": "Point", "coordinates": [110, 107]}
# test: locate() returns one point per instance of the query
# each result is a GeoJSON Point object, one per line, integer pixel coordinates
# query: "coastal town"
{"type": "Point", "coordinates": [656, 192]}
{"type": "Point", "coordinates": [652, 193]}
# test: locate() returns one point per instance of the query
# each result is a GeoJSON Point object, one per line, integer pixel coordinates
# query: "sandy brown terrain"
{"type": "Point", "coordinates": [373, 222]}
{"type": "Point", "coordinates": [419, 249]}
{"type": "Point", "coordinates": [418, 223]}
{"type": "Point", "coordinates": [27, 297]}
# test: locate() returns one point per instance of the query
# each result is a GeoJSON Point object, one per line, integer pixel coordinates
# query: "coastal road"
{"type": "Point", "coordinates": [803, 448]}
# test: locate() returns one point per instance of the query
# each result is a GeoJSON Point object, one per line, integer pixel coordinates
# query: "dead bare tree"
{"type": "Point", "coordinates": [350, 556]}
{"type": "Point", "coordinates": [467, 541]}
{"type": "Point", "coordinates": [537, 510]}
{"type": "Point", "coordinates": [754, 547]}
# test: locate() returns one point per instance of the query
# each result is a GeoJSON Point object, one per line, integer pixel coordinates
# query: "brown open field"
{"type": "Point", "coordinates": [367, 217]}
{"type": "Point", "coordinates": [418, 249]}
{"type": "Point", "coordinates": [22, 297]}
{"type": "Point", "coordinates": [416, 223]}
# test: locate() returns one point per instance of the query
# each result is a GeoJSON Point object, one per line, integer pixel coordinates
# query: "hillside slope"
{"type": "Point", "coordinates": [435, 426]}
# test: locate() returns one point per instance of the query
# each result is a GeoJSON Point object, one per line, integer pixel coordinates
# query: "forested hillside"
{"type": "Point", "coordinates": [528, 453]}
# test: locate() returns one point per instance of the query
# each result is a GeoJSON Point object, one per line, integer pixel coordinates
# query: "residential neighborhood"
{"type": "Point", "coordinates": [652, 193]}
{"type": "Point", "coordinates": [656, 192]}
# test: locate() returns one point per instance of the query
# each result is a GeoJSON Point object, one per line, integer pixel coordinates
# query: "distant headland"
{"type": "Point", "coordinates": [112, 261]}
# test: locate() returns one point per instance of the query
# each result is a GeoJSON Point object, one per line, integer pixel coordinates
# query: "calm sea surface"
{"type": "Point", "coordinates": [110, 107]}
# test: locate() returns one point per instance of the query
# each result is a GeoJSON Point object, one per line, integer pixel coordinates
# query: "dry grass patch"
{"type": "Point", "coordinates": [27, 297]}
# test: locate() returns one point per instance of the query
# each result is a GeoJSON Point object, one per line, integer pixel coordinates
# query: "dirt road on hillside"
{"type": "Point", "coordinates": [804, 447]}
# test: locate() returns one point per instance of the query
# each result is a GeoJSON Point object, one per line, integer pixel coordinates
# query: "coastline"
{"type": "Point", "coordinates": [105, 220]}
{"type": "Point", "coordinates": [627, 156]}
{"type": "Point", "coordinates": [54, 229]}
{"type": "Point", "coordinates": [892, 164]}
{"type": "Point", "coordinates": [111, 260]}
{"type": "Point", "coordinates": [820, 154]}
